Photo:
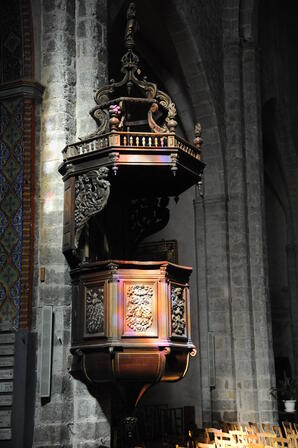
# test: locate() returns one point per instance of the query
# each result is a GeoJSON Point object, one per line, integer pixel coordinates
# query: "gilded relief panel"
{"type": "Point", "coordinates": [140, 309]}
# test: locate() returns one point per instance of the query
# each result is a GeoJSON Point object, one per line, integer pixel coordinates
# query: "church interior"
{"type": "Point", "coordinates": [148, 223]}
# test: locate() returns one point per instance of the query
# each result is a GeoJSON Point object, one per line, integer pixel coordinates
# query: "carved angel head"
{"type": "Point", "coordinates": [103, 172]}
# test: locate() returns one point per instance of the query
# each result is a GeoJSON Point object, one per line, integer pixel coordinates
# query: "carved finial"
{"type": "Point", "coordinates": [171, 122]}
{"type": "Point", "coordinates": [114, 110]}
{"type": "Point", "coordinates": [131, 26]}
{"type": "Point", "coordinates": [198, 132]}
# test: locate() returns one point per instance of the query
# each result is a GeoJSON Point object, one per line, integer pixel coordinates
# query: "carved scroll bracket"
{"type": "Point", "coordinates": [92, 191]}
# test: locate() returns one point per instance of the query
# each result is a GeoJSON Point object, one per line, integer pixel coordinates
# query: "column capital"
{"type": "Point", "coordinates": [22, 87]}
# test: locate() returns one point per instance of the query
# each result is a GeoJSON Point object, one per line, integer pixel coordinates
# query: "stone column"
{"type": "Point", "coordinates": [261, 309]}
{"type": "Point", "coordinates": [71, 416]}
{"type": "Point", "coordinates": [251, 323]}
{"type": "Point", "coordinates": [292, 258]}
{"type": "Point", "coordinates": [54, 416]}
{"type": "Point", "coordinates": [201, 268]}
{"type": "Point", "coordinates": [218, 396]}
{"type": "Point", "coordinates": [91, 423]}
{"type": "Point", "coordinates": [91, 61]}
{"type": "Point", "coordinates": [241, 306]}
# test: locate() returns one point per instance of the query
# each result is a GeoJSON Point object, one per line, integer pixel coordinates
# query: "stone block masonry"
{"type": "Point", "coordinates": [72, 65]}
{"type": "Point", "coordinates": [91, 57]}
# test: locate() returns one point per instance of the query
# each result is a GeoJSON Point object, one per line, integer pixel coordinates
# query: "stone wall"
{"type": "Point", "coordinates": [72, 41]}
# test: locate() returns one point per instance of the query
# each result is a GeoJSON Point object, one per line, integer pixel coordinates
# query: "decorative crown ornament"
{"type": "Point", "coordinates": [145, 93]}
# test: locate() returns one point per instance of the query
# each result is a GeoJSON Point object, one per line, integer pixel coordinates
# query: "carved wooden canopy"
{"type": "Point", "coordinates": [133, 157]}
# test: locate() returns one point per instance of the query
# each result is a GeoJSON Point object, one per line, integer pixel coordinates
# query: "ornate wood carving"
{"type": "Point", "coordinates": [95, 310]}
{"type": "Point", "coordinates": [131, 26]}
{"type": "Point", "coordinates": [198, 136]}
{"type": "Point", "coordinates": [135, 328]}
{"type": "Point", "coordinates": [139, 313]}
{"type": "Point", "coordinates": [140, 91]}
{"type": "Point", "coordinates": [178, 311]}
{"type": "Point", "coordinates": [92, 191]}
{"type": "Point", "coordinates": [147, 216]}
{"type": "Point", "coordinates": [157, 250]}
{"type": "Point", "coordinates": [102, 119]}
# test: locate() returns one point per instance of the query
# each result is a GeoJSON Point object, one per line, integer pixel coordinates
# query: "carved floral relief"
{"type": "Point", "coordinates": [139, 308]}
{"type": "Point", "coordinates": [178, 311]}
{"type": "Point", "coordinates": [95, 310]}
